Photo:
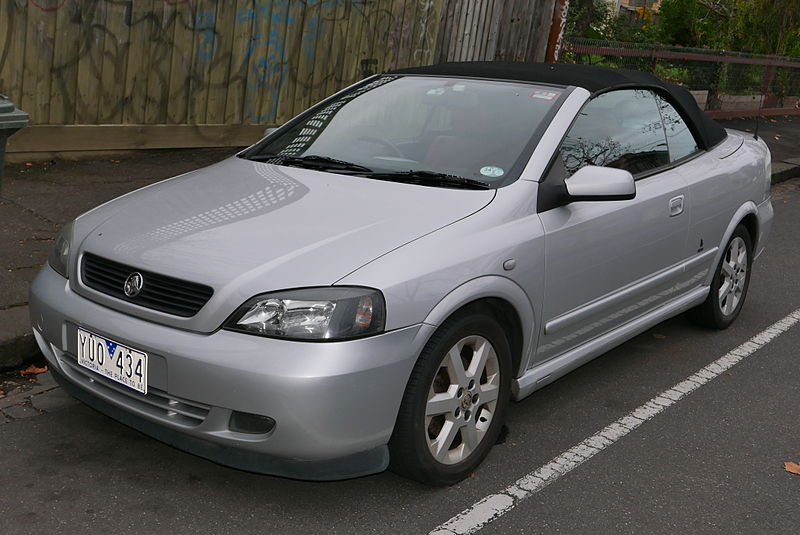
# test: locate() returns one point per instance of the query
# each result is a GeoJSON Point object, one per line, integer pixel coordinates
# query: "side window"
{"type": "Point", "coordinates": [621, 129]}
{"type": "Point", "coordinates": [680, 140]}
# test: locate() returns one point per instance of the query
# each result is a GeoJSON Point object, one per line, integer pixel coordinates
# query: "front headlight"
{"type": "Point", "coordinates": [59, 255]}
{"type": "Point", "coordinates": [324, 314]}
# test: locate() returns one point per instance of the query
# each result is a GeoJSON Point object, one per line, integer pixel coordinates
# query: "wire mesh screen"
{"type": "Point", "coordinates": [726, 84]}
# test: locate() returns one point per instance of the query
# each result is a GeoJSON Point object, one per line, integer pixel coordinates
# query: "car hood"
{"type": "Point", "coordinates": [245, 227]}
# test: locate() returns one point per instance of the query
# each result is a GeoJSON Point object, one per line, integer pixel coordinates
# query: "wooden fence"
{"type": "Point", "coordinates": [115, 74]}
{"type": "Point", "coordinates": [486, 30]}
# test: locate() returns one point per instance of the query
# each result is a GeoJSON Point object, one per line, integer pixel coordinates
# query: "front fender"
{"type": "Point", "coordinates": [490, 286]}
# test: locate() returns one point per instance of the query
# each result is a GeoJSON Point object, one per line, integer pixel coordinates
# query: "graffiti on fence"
{"type": "Point", "coordinates": [199, 61]}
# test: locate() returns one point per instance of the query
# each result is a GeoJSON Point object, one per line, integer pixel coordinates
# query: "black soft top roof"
{"type": "Point", "coordinates": [591, 77]}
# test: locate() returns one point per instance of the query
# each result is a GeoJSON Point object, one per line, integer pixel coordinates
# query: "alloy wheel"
{"type": "Point", "coordinates": [734, 276]}
{"type": "Point", "coordinates": [462, 399]}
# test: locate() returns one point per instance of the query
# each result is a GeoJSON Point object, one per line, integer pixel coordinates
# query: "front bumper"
{"type": "Point", "coordinates": [334, 404]}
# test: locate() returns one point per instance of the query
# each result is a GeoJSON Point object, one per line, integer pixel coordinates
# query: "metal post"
{"type": "Point", "coordinates": [555, 42]}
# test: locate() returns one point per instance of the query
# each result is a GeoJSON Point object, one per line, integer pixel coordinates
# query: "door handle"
{"type": "Point", "coordinates": [676, 206]}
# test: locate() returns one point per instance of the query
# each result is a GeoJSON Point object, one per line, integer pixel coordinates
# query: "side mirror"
{"type": "Point", "coordinates": [592, 183]}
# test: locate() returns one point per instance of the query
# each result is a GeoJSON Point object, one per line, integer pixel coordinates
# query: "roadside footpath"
{"type": "Point", "coordinates": [39, 197]}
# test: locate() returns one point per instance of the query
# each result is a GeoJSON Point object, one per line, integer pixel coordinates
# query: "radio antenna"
{"type": "Point", "coordinates": [755, 134]}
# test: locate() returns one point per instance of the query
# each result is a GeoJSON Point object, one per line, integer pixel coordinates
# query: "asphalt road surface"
{"type": "Point", "coordinates": [710, 462]}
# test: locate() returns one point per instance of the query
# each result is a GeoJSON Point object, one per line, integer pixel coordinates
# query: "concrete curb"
{"type": "Point", "coordinates": [785, 170]}
{"type": "Point", "coordinates": [17, 350]}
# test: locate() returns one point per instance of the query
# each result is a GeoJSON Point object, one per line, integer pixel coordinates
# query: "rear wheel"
{"type": "Point", "coordinates": [730, 283]}
{"type": "Point", "coordinates": [455, 401]}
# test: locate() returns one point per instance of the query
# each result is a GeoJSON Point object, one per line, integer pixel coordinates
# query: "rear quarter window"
{"type": "Point", "coordinates": [680, 140]}
{"type": "Point", "coordinates": [621, 129]}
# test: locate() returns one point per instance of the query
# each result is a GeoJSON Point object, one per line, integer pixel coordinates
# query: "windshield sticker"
{"type": "Point", "coordinates": [436, 91]}
{"type": "Point", "coordinates": [492, 171]}
{"type": "Point", "coordinates": [459, 87]}
{"type": "Point", "coordinates": [544, 95]}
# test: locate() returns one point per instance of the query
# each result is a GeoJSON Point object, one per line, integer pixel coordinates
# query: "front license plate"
{"type": "Point", "coordinates": [111, 359]}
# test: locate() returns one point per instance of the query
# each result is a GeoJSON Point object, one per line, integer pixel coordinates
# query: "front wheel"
{"type": "Point", "coordinates": [729, 285]}
{"type": "Point", "coordinates": [455, 401]}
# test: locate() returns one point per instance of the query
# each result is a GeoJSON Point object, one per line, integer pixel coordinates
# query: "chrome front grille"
{"type": "Point", "coordinates": [159, 292]}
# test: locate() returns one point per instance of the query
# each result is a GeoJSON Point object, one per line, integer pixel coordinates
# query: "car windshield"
{"type": "Point", "coordinates": [419, 129]}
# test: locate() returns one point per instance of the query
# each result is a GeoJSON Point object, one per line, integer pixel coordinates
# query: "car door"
{"type": "Point", "coordinates": [608, 262]}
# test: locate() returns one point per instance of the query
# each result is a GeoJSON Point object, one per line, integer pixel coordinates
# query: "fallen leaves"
{"type": "Point", "coordinates": [791, 467]}
{"type": "Point", "coordinates": [33, 370]}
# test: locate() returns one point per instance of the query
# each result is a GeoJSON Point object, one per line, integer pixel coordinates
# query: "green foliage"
{"type": "Point", "coordinates": [589, 18]}
{"type": "Point", "coordinates": [676, 75]}
{"type": "Point", "coordinates": [755, 26]}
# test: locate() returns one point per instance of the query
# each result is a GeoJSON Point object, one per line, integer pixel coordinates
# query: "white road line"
{"type": "Point", "coordinates": [495, 505]}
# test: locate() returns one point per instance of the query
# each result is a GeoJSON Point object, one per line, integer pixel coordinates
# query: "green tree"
{"type": "Point", "coordinates": [756, 26]}
{"type": "Point", "coordinates": [589, 18]}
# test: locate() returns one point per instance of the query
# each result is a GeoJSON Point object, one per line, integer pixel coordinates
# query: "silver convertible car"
{"type": "Point", "coordinates": [372, 283]}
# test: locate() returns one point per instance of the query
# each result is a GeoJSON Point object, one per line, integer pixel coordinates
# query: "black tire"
{"type": "Point", "coordinates": [410, 454]}
{"type": "Point", "coordinates": [710, 313]}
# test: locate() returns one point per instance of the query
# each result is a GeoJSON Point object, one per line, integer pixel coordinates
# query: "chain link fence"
{"type": "Point", "coordinates": [725, 84]}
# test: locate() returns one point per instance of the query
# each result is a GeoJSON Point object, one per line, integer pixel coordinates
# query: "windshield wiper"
{"type": "Point", "coordinates": [311, 161]}
{"type": "Point", "coordinates": [429, 177]}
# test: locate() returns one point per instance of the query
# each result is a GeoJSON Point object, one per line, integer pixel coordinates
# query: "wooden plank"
{"type": "Point", "coordinates": [486, 26]}
{"type": "Point", "coordinates": [114, 64]}
{"type": "Point", "coordinates": [92, 40]}
{"type": "Point", "coordinates": [444, 32]}
{"type": "Point", "coordinates": [324, 65]}
{"type": "Point", "coordinates": [403, 30]}
{"type": "Point", "coordinates": [239, 62]}
{"type": "Point", "coordinates": [416, 25]}
{"type": "Point", "coordinates": [46, 47]}
{"type": "Point", "coordinates": [469, 30]}
{"type": "Point", "coordinates": [494, 31]}
{"type": "Point", "coordinates": [31, 53]}
{"type": "Point", "coordinates": [306, 57]}
{"type": "Point", "coordinates": [505, 27]}
{"type": "Point", "coordinates": [158, 61]}
{"type": "Point", "coordinates": [273, 68]}
{"type": "Point", "coordinates": [136, 73]}
{"type": "Point", "coordinates": [291, 52]}
{"type": "Point", "coordinates": [479, 36]}
{"type": "Point", "coordinates": [203, 26]}
{"type": "Point", "coordinates": [358, 35]}
{"type": "Point", "coordinates": [264, 60]}
{"type": "Point", "coordinates": [220, 71]}
{"type": "Point", "coordinates": [427, 26]}
{"type": "Point", "coordinates": [180, 62]}
{"type": "Point", "coordinates": [401, 11]}
{"type": "Point", "coordinates": [57, 138]}
{"type": "Point", "coordinates": [335, 80]}
{"type": "Point", "coordinates": [454, 52]}
{"type": "Point", "coordinates": [7, 20]}
{"type": "Point", "coordinates": [523, 31]}
{"type": "Point", "coordinates": [384, 44]}
{"type": "Point", "coordinates": [517, 30]}
{"type": "Point", "coordinates": [542, 31]}
{"type": "Point", "coordinates": [64, 69]}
